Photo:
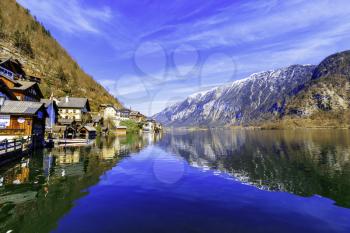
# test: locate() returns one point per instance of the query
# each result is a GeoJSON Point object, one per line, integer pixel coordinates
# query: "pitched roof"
{"type": "Point", "coordinates": [6, 59]}
{"type": "Point", "coordinates": [88, 128]}
{"type": "Point", "coordinates": [73, 102]}
{"type": "Point", "coordinates": [24, 85]}
{"type": "Point", "coordinates": [20, 107]}
{"type": "Point", "coordinates": [124, 110]}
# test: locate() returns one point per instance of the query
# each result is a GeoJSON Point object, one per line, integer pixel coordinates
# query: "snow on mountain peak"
{"type": "Point", "coordinates": [240, 101]}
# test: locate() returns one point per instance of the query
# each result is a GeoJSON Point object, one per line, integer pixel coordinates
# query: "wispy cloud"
{"type": "Point", "coordinates": [148, 53]}
{"type": "Point", "coordinates": [69, 16]}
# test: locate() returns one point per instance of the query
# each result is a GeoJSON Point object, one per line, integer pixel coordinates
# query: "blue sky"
{"type": "Point", "coordinates": [152, 53]}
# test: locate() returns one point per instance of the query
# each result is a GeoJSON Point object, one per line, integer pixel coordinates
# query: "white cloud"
{"type": "Point", "coordinates": [69, 16]}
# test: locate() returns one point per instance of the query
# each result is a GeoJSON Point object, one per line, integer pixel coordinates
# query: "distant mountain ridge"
{"type": "Point", "coordinates": [294, 96]}
{"type": "Point", "coordinates": [22, 37]}
{"type": "Point", "coordinates": [261, 95]}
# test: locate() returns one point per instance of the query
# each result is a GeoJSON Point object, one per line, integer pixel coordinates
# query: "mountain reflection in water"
{"type": "Point", "coordinates": [303, 162]}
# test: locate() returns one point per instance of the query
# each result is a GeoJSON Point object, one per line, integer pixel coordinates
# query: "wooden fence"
{"type": "Point", "coordinates": [15, 145]}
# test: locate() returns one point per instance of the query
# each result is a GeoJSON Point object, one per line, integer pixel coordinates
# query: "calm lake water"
{"type": "Point", "coordinates": [218, 181]}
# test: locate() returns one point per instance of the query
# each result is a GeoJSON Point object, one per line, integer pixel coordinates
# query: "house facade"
{"type": "Point", "coordinates": [124, 114]}
{"type": "Point", "coordinates": [113, 114]}
{"type": "Point", "coordinates": [73, 108]}
{"type": "Point", "coordinates": [22, 118]}
{"type": "Point", "coordinates": [149, 125]}
{"type": "Point", "coordinates": [136, 116]}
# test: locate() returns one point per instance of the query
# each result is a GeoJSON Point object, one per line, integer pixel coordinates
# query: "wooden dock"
{"type": "Point", "coordinates": [73, 142]}
{"type": "Point", "coordinates": [11, 149]}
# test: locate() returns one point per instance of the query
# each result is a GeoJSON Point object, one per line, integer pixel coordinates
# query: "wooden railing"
{"type": "Point", "coordinates": [17, 144]}
{"type": "Point", "coordinates": [6, 73]}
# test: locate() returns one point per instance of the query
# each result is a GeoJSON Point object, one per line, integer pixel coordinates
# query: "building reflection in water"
{"type": "Point", "coordinates": [18, 174]}
{"type": "Point", "coordinates": [45, 185]}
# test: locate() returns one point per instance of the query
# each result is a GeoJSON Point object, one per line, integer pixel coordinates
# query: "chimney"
{"type": "Point", "coordinates": [67, 99]}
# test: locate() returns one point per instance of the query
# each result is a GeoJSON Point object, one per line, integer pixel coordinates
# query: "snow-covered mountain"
{"type": "Point", "coordinates": [258, 97]}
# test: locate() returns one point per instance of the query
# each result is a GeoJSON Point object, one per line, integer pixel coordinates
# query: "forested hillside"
{"type": "Point", "coordinates": [24, 38]}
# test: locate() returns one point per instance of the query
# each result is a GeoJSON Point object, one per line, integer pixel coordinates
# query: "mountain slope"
{"type": "Point", "coordinates": [325, 101]}
{"type": "Point", "coordinates": [259, 97]}
{"type": "Point", "coordinates": [24, 38]}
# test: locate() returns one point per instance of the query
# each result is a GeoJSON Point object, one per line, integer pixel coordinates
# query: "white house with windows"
{"type": "Point", "coordinates": [112, 113]}
{"type": "Point", "coordinates": [72, 108]}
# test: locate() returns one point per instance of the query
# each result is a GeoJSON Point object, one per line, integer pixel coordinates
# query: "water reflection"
{"type": "Point", "coordinates": [37, 191]}
{"type": "Point", "coordinates": [188, 182]}
{"type": "Point", "coordinates": [303, 162]}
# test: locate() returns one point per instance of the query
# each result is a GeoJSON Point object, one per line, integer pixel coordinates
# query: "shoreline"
{"type": "Point", "coordinates": [256, 128]}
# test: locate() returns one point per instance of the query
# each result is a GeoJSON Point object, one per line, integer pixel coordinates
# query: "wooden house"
{"type": "Point", "coordinates": [27, 91]}
{"type": "Point", "coordinates": [22, 118]}
{"type": "Point", "coordinates": [25, 88]}
{"type": "Point", "coordinates": [70, 132]}
{"type": "Point", "coordinates": [11, 68]}
{"type": "Point", "coordinates": [73, 108]}
{"type": "Point", "coordinates": [87, 132]}
{"type": "Point", "coordinates": [137, 116]}
{"type": "Point", "coordinates": [120, 130]}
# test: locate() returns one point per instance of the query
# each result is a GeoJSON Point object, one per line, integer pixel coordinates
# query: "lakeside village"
{"type": "Point", "coordinates": [28, 120]}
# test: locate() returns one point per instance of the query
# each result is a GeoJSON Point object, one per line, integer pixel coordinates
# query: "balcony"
{"type": "Point", "coordinates": [7, 73]}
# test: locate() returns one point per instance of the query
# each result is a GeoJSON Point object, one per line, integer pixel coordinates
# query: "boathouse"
{"type": "Point", "coordinates": [22, 118]}
{"type": "Point", "coordinates": [120, 130]}
{"type": "Point", "coordinates": [87, 132]}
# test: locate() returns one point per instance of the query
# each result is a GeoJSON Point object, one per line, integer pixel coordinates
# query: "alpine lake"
{"type": "Point", "coordinates": [217, 181]}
